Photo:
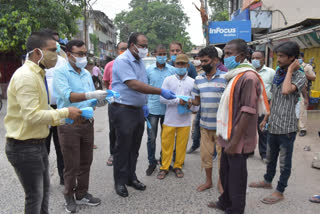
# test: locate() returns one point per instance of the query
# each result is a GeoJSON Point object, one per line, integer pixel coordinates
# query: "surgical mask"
{"type": "Point", "coordinates": [181, 71]}
{"type": "Point", "coordinates": [58, 47]}
{"type": "Point", "coordinates": [143, 52]}
{"type": "Point", "coordinates": [300, 61]}
{"type": "Point", "coordinates": [173, 57]}
{"type": "Point", "coordinates": [207, 68]}
{"type": "Point", "coordinates": [230, 62]}
{"type": "Point", "coordinates": [196, 62]}
{"type": "Point", "coordinates": [256, 63]}
{"type": "Point", "coordinates": [80, 62]}
{"type": "Point", "coordinates": [161, 59]}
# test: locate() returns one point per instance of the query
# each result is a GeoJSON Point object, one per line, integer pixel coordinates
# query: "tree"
{"type": "Point", "coordinates": [161, 21]}
{"type": "Point", "coordinates": [18, 18]}
{"type": "Point", "coordinates": [219, 9]}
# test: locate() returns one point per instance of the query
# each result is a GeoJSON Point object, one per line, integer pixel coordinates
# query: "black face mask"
{"type": "Point", "coordinates": [207, 68]}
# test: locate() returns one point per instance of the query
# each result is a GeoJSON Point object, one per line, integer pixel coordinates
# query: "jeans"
{"type": "Point", "coordinates": [283, 145]}
{"type": "Point", "coordinates": [30, 162]}
{"type": "Point", "coordinates": [196, 132]}
{"type": "Point", "coordinates": [263, 139]}
{"type": "Point", "coordinates": [152, 136]}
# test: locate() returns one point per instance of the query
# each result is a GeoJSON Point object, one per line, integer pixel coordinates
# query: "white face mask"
{"type": "Point", "coordinates": [197, 62]}
{"type": "Point", "coordinates": [80, 62]}
{"type": "Point", "coordinates": [27, 56]}
{"type": "Point", "coordinates": [142, 52]}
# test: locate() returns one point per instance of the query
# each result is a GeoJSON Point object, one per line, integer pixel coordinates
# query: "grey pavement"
{"type": "Point", "coordinates": [171, 195]}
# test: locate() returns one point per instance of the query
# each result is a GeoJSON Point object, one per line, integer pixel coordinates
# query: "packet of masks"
{"type": "Point", "coordinates": [111, 97]}
{"type": "Point", "coordinates": [183, 109]}
{"type": "Point", "coordinates": [87, 113]}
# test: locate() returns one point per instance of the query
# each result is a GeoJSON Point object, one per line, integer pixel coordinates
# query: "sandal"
{"type": "Point", "coordinates": [315, 199]}
{"type": "Point", "coordinates": [178, 172]}
{"type": "Point", "coordinates": [271, 200]}
{"type": "Point", "coordinates": [110, 161]}
{"type": "Point", "coordinates": [162, 174]}
{"type": "Point", "coordinates": [260, 184]}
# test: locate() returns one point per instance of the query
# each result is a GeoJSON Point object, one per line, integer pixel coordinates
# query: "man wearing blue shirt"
{"type": "Point", "coordinates": [175, 49]}
{"type": "Point", "coordinates": [73, 86]}
{"type": "Point", "coordinates": [130, 80]}
{"type": "Point", "coordinates": [156, 74]}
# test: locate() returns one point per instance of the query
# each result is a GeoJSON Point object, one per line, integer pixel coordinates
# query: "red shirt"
{"type": "Point", "coordinates": [107, 75]}
{"type": "Point", "coordinates": [245, 99]}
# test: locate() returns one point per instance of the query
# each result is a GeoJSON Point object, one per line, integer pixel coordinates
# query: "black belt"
{"type": "Point", "coordinates": [29, 141]}
{"type": "Point", "coordinates": [126, 106]}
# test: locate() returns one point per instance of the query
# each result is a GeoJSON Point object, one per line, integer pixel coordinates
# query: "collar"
{"type": "Point", "coordinates": [264, 68]}
{"type": "Point", "coordinates": [130, 56]}
{"type": "Point", "coordinates": [156, 67]}
{"type": "Point", "coordinates": [217, 74]}
{"type": "Point", "coordinates": [185, 76]}
{"type": "Point", "coordinates": [35, 68]}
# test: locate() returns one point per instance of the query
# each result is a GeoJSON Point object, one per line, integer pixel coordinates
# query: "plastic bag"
{"type": "Point", "coordinates": [183, 109]}
{"type": "Point", "coordinates": [87, 113]}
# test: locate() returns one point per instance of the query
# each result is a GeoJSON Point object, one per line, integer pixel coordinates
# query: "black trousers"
{"type": "Point", "coordinates": [112, 133]}
{"type": "Point", "coordinates": [128, 123]}
{"type": "Point", "coordinates": [263, 139]}
{"type": "Point", "coordinates": [233, 174]}
{"type": "Point", "coordinates": [54, 133]}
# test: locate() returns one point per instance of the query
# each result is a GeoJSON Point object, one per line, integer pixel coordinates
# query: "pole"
{"type": "Point", "coordinates": [85, 24]}
{"type": "Point", "coordinates": [207, 24]}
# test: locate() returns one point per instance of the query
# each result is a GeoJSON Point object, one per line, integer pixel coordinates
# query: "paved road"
{"type": "Point", "coordinates": [171, 195]}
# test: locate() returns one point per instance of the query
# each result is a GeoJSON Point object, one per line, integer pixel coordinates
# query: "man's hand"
{"type": "Point", "coordinates": [294, 66]}
{"type": "Point", "coordinates": [230, 149]}
{"type": "Point", "coordinates": [101, 103]}
{"type": "Point", "coordinates": [98, 94]}
{"type": "Point", "coordinates": [306, 102]}
{"type": "Point", "coordinates": [145, 111]}
{"type": "Point", "coordinates": [262, 125]}
{"type": "Point", "coordinates": [74, 113]}
{"type": "Point", "coordinates": [182, 102]}
{"type": "Point", "coordinates": [169, 95]}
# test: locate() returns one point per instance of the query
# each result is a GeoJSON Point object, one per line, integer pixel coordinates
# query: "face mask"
{"type": "Point", "coordinates": [161, 59]}
{"type": "Point", "coordinates": [181, 71]}
{"type": "Point", "coordinates": [142, 52]}
{"type": "Point", "coordinates": [49, 59]}
{"type": "Point", "coordinates": [173, 57]}
{"type": "Point", "coordinates": [300, 61]}
{"type": "Point", "coordinates": [58, 47]}
{"type": "Point", "coordinates": [196, 62]}
{"type": "Point", "coordinates": [121, 52]}
{"type": "Point", "coordinates": [256, 63]}
{"type": "Point", "coordinates": [230, 62]}
{"type": "Point", "coordinates": [80, 62]}
{"type": "Point", "coordinates": [207, 68]}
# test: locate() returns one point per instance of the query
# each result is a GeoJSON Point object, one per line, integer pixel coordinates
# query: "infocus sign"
{"type": "Point", "coordinates": [223, 32]}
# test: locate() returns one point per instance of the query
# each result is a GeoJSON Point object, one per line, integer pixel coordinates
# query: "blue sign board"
{"type": "Point", "coordinates": [240, 15]}
{"type": "Point", "coordinates": [223, 32]}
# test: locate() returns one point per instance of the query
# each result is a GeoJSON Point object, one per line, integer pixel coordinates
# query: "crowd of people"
{"type": "Point", "coordinates": [237, 103]}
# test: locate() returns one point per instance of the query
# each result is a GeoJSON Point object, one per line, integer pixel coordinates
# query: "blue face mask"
{"type": "Point", "coordinates": [300, 61]}
{"type": "Point", "coordinates": [230, 62]}
{"type": "Point", "coordinates": [181, 71]}
{"type": "Point", "coordinates": [161, 59]}
{"type": "Point", "coordinates": [256, 63]}
{"type": "Point", "coordinates": [173, 57]}
{"type": "Point", "coordinates": [58, 47]}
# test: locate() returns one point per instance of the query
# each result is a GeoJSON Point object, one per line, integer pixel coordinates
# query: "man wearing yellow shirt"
{"type": "Point", "coordinates": [27, 120]}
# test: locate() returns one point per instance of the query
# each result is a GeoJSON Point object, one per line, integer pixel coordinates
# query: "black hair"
{"type": "Point", "coordinates": [133, 38]}
{"type": "Point", "coordinates": [288, 48]}
{"type": "Point", "coordinates": [159, 47]}
{"type": "Point", "coordinates": [302, 54]}
{"type": "Point", "coordinates": [119, 44]}
{"type": "Point", "coordinates": [75, 42]}
{"type": "Point", "coordinates": [38, 40]}
{"type": "Point", "coordinates": [176, 43]}
{"type": "Point", "coordinates": [262, 53]}
{"type": "Point", "coordinates": [241, 46]}
{"type": "Point", "coordinates": [50, 31]}
{"type": "Point", "coordinates": [209, 51]}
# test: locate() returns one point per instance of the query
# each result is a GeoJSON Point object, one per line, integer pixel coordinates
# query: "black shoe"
{"type": "Point", "coordinates": [150, 169]}
{"type": "Point", "coordinates": [303, 133]}
{"type": "Point", "coordinates": [191, 150]}
{"type": "Point", "coordinates": [137, 185]}
{"type": "Point", "coordinates": [70, 205]}
{"type": "Point", "coordinates": [88, 199]}
{"type": "Point", "coordinates": [121, 190]}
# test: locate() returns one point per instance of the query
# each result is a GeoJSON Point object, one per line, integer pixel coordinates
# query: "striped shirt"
{"type": "Point", "coordinates": [282, 115]}
{"type": "Point", "coordinates": [210, 92]}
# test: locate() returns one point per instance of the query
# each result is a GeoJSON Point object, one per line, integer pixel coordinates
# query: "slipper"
{"type": "Point", "coordinates": [315, 199]}
{"type": "Point", "coordinates": [162, 174]}
{"type": "Point", "coordinates": [178, 172]}
{"type": "Point", "coordinates": [110, 161]}
{"type": "Point", "coordinates": [260, 184]}
{"type": "Point", "coordinates": [271, 200]}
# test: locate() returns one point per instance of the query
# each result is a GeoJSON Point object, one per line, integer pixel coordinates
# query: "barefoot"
{"type": "Point", "coordinates": [204, 187]}
{"type": "Point", "coordinates": [220, 188]}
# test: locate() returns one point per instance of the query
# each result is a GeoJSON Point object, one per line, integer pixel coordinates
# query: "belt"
{"type": "Point", "coordinates": [29, 141]}
{"type": "Point", "coordinates": [126, 106]}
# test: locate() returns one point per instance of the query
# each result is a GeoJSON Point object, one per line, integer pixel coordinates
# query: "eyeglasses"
{"type": "Point", "coordinates": [142, 46]}
{"type": "Point", "coordinates": [80, 54]}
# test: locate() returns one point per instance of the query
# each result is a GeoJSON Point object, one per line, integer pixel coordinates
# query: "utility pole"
{"type": "Point", "coordinates": [207, 24]}
{"type": "Point", "coordinates": [85, 30]}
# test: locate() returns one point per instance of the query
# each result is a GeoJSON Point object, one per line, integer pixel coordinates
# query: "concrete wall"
{"type": "Point", "coordinates": [295, 11]}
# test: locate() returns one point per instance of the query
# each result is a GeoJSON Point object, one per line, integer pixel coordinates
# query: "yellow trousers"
{"type": "Point", "coordinates": [169, 134]}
